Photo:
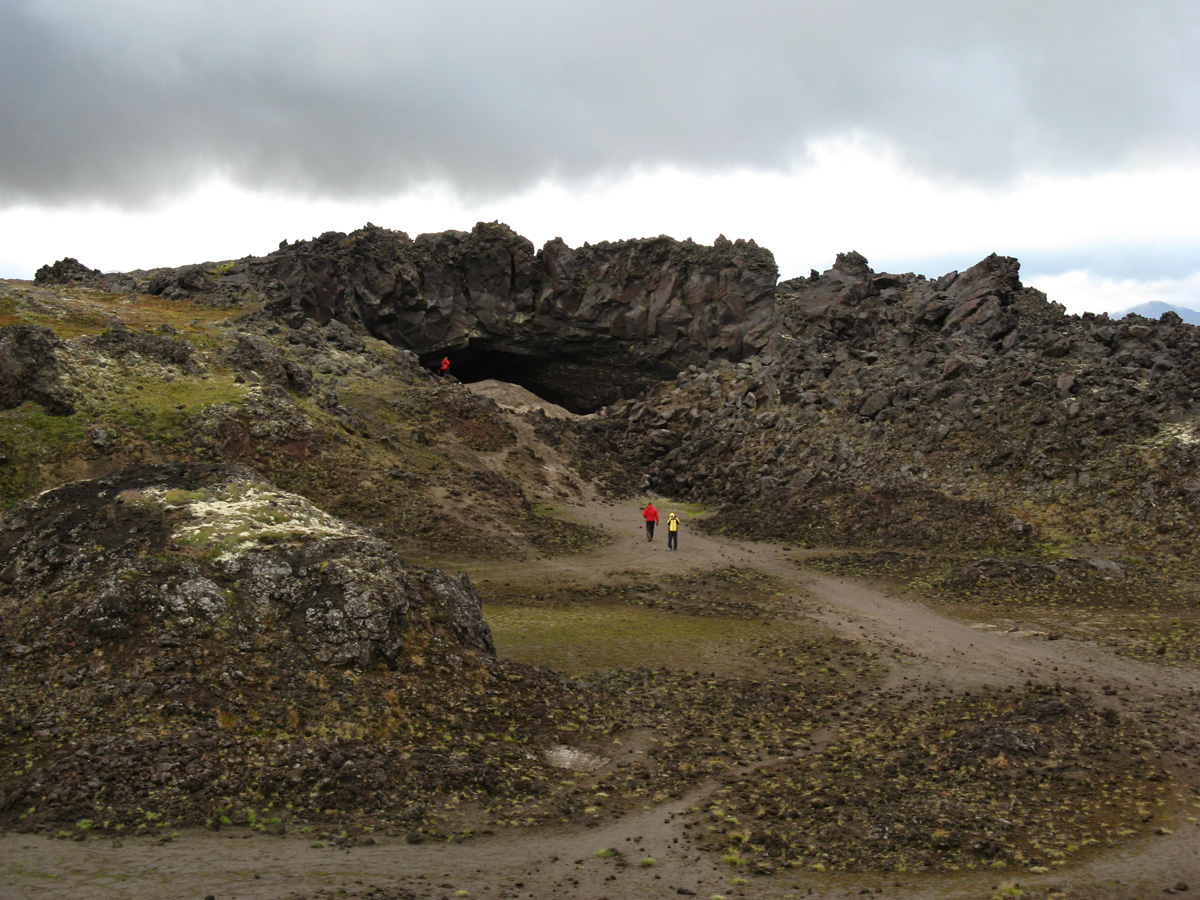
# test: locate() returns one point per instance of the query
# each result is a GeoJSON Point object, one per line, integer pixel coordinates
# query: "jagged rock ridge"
{"type": "Point", "coordinates": [848, 402]}
{"type": "Point", "coordinates": [968, 408]}
{"type": "Point", "coordinates": [581, 327]}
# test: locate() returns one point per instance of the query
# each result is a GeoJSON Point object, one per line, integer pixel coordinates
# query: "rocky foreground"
{"type": "Point", "coordinates": [191, 647]}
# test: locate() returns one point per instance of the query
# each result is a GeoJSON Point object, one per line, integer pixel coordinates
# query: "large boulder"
{"type": "Point", "coordinates": [70, 271]}
{"type": "Point", "coordinates": [164, 345]}
{"type": "Point", "coordinates": [30, 370]}
{"type": "Point", "coordinates": [181, 554]}
{"type": "Point", "coordinates": [67, 270]}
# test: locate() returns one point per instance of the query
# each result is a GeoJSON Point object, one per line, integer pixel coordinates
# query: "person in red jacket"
{"type": "Point", "coordinates": [445, 366]}
{"type": "Point", "coordinates": [650, 514]}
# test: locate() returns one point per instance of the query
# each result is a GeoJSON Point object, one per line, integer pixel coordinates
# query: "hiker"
{"type": "Point", "coordinates": [650, 514]}
{"type": "Point", "coordinates": [445, 366]}
{"type": "Point", "coordinates": [672, 532]}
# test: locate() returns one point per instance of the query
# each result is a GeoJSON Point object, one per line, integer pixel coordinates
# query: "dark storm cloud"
{"type": "Point", "coordinates": [121, 100]}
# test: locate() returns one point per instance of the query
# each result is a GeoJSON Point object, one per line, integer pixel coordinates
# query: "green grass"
{"type": "Point", "coordinates": [159, 409]}
{"type": "Point", "coordinates": [33, 440]}
{"type": "Point", "coordinates": [74, 311]}
{"type": "Point", "coordinates": [591, 638]}
{"type": "Point", "coordinates": [133, 410]}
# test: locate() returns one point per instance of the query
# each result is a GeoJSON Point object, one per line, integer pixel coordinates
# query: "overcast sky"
{"type": "Point", "coordinates": [925, 134]}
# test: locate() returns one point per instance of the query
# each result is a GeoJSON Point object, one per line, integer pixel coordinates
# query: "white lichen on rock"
{"type": "Point", "coordinates": [227, 519]}
{"type": "Point", "coordinates": [1185, 433]}
{"type": "Point", "coordinates": [561, 756]}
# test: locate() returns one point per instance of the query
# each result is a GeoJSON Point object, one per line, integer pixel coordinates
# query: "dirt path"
{"type": "Point", "coordinates": [930, 644]}
{"type": "Point", "coordinates": [925, 647]}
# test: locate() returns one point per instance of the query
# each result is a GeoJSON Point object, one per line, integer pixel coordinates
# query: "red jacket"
{"type": "Point", "coordinates": [650, 513]}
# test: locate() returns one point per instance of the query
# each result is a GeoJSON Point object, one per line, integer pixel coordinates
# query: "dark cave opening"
{"type": "Point", "coordinates": [472, 364]}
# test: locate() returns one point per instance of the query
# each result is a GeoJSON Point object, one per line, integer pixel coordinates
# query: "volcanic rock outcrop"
{"type": "Point", "coordinates": [186, 645]}
{"type": "Point", "coordinates": [173, 555]}
{"type": "Point", "coordinates": [29, 370]}
{"type": "Point", "coordinates": [967, 408]}
{"type": "Point", "coordinates": [581, 327]}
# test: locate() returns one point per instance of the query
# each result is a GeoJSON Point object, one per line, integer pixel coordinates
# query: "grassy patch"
{"type": "Point", "coordinates": [159, 411]}
{"type": "Point", "coordinates": [600, 637]}
{"type": "Point", "coordinates": [72, 311]}
{"type": "Point", "coordinates": [729, 591]}
{"type": "Point", "coordinates": [33, 441]}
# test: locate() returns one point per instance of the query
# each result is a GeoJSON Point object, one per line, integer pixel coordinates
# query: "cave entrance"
{"type": "Point", "coordinates": [476, 363]}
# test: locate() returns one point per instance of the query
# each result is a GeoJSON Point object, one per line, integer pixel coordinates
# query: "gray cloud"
{"type": "Point", "coordinates": [125, 100]}
{"type": "Point", "coordinates": [1131, 260]}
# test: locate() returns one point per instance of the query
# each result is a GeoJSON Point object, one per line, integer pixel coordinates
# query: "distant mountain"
{"type": "Point", "coordinates": [1155, 308]}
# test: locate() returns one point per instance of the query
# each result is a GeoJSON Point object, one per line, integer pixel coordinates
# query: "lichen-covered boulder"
{"type": "Point", "coordinates": [178, 554]}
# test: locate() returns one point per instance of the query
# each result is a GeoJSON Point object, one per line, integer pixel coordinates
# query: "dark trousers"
{"type": "Point", "coordinates": [672, 540]}
{"type": "Point", "coordinates": [649, 530]}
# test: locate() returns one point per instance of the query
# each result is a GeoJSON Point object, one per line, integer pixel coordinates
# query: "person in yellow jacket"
{"type": "Point", "coordinates": [672, 532]}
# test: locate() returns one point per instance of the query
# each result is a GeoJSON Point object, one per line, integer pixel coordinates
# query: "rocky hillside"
{"type": "Point", "coordinates": [966, 411]}
{"type": "Point", "coordinates": [583, 327]}
{"type": "Point", "coordinates": [187, 644]}
{"type": "Point", "coordinates": [93, 383]}
{"type": "Point", "coordinates": [849, 407]}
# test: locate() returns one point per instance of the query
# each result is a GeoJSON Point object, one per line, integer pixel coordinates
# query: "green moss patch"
{"type": "Point", "coordinates": [32, 441]}
{"type": "Point", "coordinates": [598, 637]}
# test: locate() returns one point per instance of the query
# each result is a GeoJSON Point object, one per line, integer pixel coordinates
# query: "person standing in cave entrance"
{"type": "Point", "coordinates": [650, 514]}
{"type": "Point", "coordinates": [672, 532]}
{"type": "Point", "coordinates": [445, 366]}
